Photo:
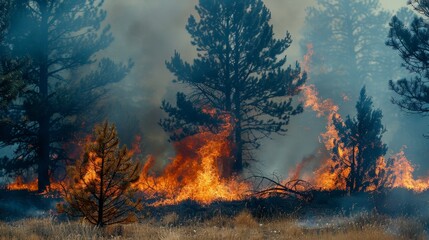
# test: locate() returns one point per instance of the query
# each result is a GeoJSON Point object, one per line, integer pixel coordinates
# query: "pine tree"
{"type": "Point", "coordinates": [412, 43]}
{"type": "Point", "coordinates": [361, 137]}
{"type": "Point", "coordinates": [348, 41]}
{"type": "Point", "coordinates": [99, 187]}
{"type": "Point", "coordinates": [11, 82]}
{"type": "Point", "coordinates": [240, 71]}
{"type": "Point", "coordinates": [64, 80]}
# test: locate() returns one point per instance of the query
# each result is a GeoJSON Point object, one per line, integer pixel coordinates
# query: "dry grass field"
{"type": "Point", "coordinates": [242, 226]}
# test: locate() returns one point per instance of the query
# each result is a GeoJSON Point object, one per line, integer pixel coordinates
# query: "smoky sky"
{"type": "Point", "coordinates": [149, 31]}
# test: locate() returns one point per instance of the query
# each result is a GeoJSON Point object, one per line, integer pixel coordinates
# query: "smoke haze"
{"type": "Point", "coordinates": [149, 31]}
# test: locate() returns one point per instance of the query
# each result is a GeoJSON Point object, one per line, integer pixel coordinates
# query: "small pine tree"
{"type": "Point", "coordinates": [362, 135]}
{"type": "Point", "coordinates": [99, 186]}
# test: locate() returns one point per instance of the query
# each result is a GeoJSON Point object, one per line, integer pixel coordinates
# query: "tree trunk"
{"type": "Point", "coordinates": [238, 163]}
{"type": "Point", "coordinates": [353, 172]}
{"type": "Point", "coordinates": [100, 222]}
{"type": "Point", "coordinates": [43, 158]}
{"type": "Point", "coordinates": [228, 83]}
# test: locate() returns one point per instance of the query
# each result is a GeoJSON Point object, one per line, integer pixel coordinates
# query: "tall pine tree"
{"type": "Point", "coordinates": [64, 80]}
{"type": "Point", "coordinates": [239, 70]}
{"type": "Point", "coordinates": [347, 38]}
{"type": "Point", "coordinates": [11, 82]}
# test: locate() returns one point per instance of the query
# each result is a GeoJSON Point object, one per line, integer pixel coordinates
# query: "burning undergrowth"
{"type": "Point", "coordinates": [196, 172]}
{"type": "Point", "coordinates": [337, 159]}
{"type": "Point", "coordinates": [196, 181]}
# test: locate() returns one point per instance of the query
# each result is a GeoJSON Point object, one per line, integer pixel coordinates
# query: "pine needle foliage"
{"type": "Point", "coordinates": [99, 187]}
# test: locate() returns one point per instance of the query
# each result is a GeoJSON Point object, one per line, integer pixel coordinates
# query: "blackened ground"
{"type": "Point", "coordinates": [19, 204]}
{"type": "Point", "coordinates": [396, 202]}
{"type": "Point", "coordinates": [15, 205]}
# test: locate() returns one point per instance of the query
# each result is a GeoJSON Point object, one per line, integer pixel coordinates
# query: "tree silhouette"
{"type": "Point", "coordinates": [348, 41]}
{"type": "Point", "coordinates": [10, 68]}
{"type": "Point", "coordinates": [412, 43]}
{"type": "Point", "coordinates": [361, 136]}
{"type": "Point", "coordinates": [239, 70]}
{"type": "Point", "coordinates": [64, 80]}
{"type": "Point", "coordinates": [99, 186]}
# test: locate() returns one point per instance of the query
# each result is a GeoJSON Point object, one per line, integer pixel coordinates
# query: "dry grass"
{"type": "Point", "coordinates": [242, 226]}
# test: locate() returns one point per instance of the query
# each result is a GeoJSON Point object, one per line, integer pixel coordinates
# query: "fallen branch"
{"type": "Point", "coordinates": [297, 188]}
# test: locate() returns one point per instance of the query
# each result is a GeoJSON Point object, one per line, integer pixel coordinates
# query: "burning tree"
{"type": "Point", "coordinates": [239, 70]}
{"type": "Point", "coordinates": [412, 43]}
{"type": "Point", "coordinates": [60, 38]}
{"type": "Point", "coordinates": [359, 147]}
{"type": "Point", "coordinates": [100, 182]}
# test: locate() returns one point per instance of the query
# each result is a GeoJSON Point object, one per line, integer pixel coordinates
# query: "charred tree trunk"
{"type": "Point", "coordinates": [238, 141]}
{"type": "Point", "coordinates": [360, 175]}
{"type": "Point", "coordinates": [228, 83]}
{"type": "Point", "coordinates": [353, 172]}
{"type": "Point", "coordinates": [228, 168]}
{"type": "Point", "coordinates": [238, 163]}
{"type": "Point", "coordinates": [43, 121]}
{"type": "Point", "coordinates": [100, 222]}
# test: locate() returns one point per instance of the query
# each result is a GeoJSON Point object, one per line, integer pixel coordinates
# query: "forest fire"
{"type": "Point", "coordinates": [196, 172]}
{"type": "Point", "coordinates": [199, 171]}
{"type": "Point", "coordinates": [402, 174]}
{"type": "Point", "coordinates": [20, 184]}
{"type": "Point", "coordinates": [396, 172]}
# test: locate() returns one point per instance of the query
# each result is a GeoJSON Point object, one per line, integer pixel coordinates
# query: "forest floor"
{"type": "Point", "coordinates": [241, 226]}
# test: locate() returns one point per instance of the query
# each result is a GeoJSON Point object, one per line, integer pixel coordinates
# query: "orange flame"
{"type": "Point", "coordinates": [326, 177]}
{"type": "Point", "coordinates": [20, 184]}
{"type": "Point", "coordinates": [196, 172]}
{"type": "Point", "coordinates": [331, 174]}
{"type": "Point", "coordinates": [402, 174]}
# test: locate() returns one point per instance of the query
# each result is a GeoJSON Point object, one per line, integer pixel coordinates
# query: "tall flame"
{"type": "Point", "coordinates": [196, 171]}
{"type": "Point", "coordinates": [402, 174]}
{"type": "Point", "coordinates": [326, 178]}
{"type": "Point", "coordinates": [331, 175]}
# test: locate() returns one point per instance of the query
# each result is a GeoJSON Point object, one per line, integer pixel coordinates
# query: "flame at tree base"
{"type": "Point", "coordinates": [200, 170]}
{"type": "Point", "coordinates": [197, 172]}
{"type": "Point", "coordinates": [396, 172]}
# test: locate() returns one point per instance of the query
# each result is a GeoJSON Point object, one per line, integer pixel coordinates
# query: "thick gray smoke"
{"type": "Point", "coordinates": [148, 31]}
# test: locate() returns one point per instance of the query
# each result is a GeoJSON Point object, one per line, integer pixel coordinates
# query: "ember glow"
{"type": "Point", "coordinates": [196, 172]}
